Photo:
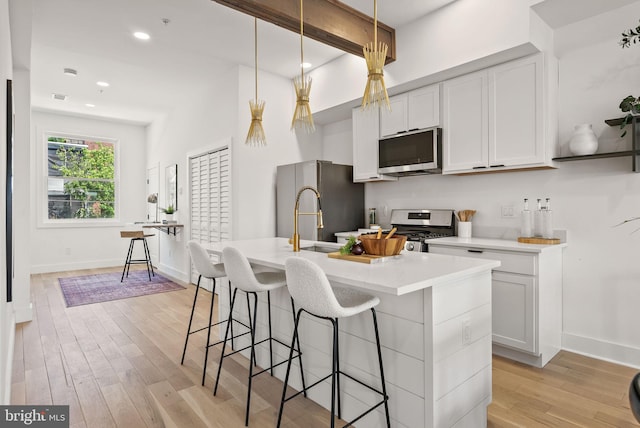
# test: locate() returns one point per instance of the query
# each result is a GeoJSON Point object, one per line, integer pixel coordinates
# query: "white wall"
{"type": "Point", "coordinates": [601, 270]}
{"type": "Point", "coordinates": [7, 320]}
{"type": "Point", "coordinates": [55, 249]}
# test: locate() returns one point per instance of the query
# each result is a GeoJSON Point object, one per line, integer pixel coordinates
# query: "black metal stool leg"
{"type": "Point", "coordinates": [296, 321]}
{"type": "Point", "coordinates": [206, 351]}
{"type": "Point", "coordinates": [293, 314]}
{"type": "Point", "coordinates": [233, 340]}
{"type": "Point", "coordinates": [133, 245]}
{"type": "Point", "coordinates": [193, 308]}
{"type": "Point", "coordinates": [253, 355]}
{"type": "Point", "coordinates": [126, 261]}
{"type": "Point", "coordinates": [270, 336]}
{"type": "Point", "coordinates": [334, 373]}
{"type": "Point", "coordinates": [384, 385]}
{"type": "Point", "coordinates": [224, 344]}
{"type": "Point", "coordinates": [147, 256]}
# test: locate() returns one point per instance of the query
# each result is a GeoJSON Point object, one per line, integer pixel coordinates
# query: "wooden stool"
{"type": "Point", "coordinates": [137, 235]}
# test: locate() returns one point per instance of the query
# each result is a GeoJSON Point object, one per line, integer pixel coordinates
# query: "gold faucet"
{"type": "Point", "coordinates": [296, 212]}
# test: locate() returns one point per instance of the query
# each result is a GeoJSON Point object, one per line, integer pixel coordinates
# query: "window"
{"type": "Point", "coordinates": [80, 178]}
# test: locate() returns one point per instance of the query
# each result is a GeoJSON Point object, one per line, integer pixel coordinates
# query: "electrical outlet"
{"type": "Point", "coordinates": [466, 331]}
{"type": "Point", "coordinates": [508, 211]}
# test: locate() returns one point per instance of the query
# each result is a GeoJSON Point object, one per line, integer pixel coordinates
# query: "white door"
{"type": "Point", "coordinates": [423, 108]}
{"type": "Point", "coordinates": [210, 199]}
{"type": "Point", "coordinates": [394, 121]}
{"type": "Point", "coordinates": [513, 310]}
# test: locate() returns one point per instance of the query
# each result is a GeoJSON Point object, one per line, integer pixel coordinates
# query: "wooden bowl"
{"type": "Point", "coordinates": [382, 247]}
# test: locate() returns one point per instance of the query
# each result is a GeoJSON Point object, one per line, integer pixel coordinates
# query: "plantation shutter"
{"type": "Point", "coordinates": [210, 205]}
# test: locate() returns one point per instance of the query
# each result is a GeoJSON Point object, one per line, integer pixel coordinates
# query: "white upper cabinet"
{"type": "Point", "coordinates": [417, 109]}
{"type": "Point", "coordinates": [464, 125]}
{"type": "Point", "coordinates": [366, 125]}
{"type": "Point", "coordinates": [495, 119]}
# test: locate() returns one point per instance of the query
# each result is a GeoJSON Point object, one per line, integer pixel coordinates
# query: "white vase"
{"type": "Point", "coordinates": [583, 141]}
{"type": "Point", "coordinates": [168, 217]}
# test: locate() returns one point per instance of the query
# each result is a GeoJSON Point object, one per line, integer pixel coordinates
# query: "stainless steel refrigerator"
{"type": "Point", "coordinates": [341, 199]}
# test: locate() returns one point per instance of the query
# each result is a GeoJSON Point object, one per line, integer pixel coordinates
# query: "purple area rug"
{"type": "Point", "coordinates": [83, 290]}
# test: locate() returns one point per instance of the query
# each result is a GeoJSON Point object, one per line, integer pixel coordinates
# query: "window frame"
{"type": "Point", "coordinates": [43, 176]}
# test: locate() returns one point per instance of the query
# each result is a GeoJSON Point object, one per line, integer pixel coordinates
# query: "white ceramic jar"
{"type": "Point", "coordinates": [583, 141]}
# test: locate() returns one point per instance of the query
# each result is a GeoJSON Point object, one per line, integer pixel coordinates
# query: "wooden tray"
{"type": "Point", "coordinates": [547, 241]}
{"type": "Point", "coordinates": [364, 258]}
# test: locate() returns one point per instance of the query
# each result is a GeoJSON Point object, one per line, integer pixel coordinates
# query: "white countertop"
{"type": "Point", "coordinates": [412, 271]}
{"type": "Point", "coordinates": [494, 244]}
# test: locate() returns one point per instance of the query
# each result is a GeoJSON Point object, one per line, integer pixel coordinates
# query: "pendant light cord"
{"type": "Point", "coordinates": [301, 39]}
{"type": "Point", "coordinates": [375, 25]}
{"type": "Point", "coordinates": [255, 35]}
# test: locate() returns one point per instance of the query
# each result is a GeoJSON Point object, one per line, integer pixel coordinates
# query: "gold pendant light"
{"type": "Point", "coordinates": [255, 136]}
{"type": "Point", "coordinates": [375, 93]}
{"type": "Point", "coordinates": [302, 118]}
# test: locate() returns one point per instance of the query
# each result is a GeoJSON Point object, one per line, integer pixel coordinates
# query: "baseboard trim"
{"type": "Point", "coordinates": [62, 267]}
{"type": "Point", "coordinates": [24, 313]}
{"type": "Point", "coordinates": [602, 350]}
{"type": "Point", "coordinates": [8, 375]}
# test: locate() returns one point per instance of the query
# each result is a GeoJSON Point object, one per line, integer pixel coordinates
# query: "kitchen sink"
{"type": "Point", "coordinates": [321, 248]}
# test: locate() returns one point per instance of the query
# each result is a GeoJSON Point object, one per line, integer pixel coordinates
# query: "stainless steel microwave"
{"type": "Point", "coordinates": [411, 153]}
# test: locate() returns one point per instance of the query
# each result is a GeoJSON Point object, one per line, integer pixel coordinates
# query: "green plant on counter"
{"type": "Point", "coordinates": [168, 210]}
{"type": "Point", "coordinates": [346, 248]}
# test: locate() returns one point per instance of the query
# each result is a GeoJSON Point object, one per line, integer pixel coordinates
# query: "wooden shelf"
{"type": "Point", "coordinates": [168, 228]}
{"type": "Point", "coordinates": [634, 153]}
{"type": "Point", "coordinates": [594, 156]}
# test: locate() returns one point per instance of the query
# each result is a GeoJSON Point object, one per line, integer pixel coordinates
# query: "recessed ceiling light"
{"type": "Point", "coordinates": [305, 65]}
{"type": "Point", "coordinates": [103, 84]}
{"type": "Point", "coordinates": [141, 35]}
{"type": "Point", "coordinates": [90, 105]}
{"type": "Point", "coordinates": [59, 97]}
{"type": "Point", "coordinates": [70, 72]}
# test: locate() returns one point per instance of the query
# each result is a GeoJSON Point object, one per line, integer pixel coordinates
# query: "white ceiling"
{"type": "Point", "coordinates": [202, 40]}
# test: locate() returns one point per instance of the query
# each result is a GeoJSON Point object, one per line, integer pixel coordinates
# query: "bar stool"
{"type": "Point", "coordinates": [137, 235]}
{"type": "Point", "coordinates": [245, 279]}
{"type": "Point", "coordinates": [310, 289]}
{"type": "Point", "coordinates": [207, 269]}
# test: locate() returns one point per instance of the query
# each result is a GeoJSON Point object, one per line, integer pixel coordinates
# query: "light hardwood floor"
{"type": "Point", "coordinates": [117, 364]}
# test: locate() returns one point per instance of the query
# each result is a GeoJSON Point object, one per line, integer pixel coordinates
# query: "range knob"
{"type": "Point", "coordinates": [410, 246]}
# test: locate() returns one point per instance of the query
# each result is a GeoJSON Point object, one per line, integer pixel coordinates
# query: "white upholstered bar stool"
{"type": "Point", "coordinates": [312, 292]}
{"type": "Point", "coordinates": [207, 269]}
{"type": "Point", "coordinates": [245, 279]}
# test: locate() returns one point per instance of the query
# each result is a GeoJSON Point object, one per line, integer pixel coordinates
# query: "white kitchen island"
{"type": "Point", "coordinates": [435, 328]}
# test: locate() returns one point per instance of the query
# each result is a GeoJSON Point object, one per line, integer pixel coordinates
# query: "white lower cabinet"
{"type": "Point", "coordinates": [526, 300]}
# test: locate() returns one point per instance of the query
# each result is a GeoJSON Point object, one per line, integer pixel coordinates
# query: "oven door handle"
{"type": "Point", "coordinates": [475, 251]}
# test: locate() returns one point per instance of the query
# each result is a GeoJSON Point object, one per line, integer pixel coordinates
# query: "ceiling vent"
{"type": "Point", "coordinates": [59, 97]}
{"type": "Point", "coordinates": [70, 72]}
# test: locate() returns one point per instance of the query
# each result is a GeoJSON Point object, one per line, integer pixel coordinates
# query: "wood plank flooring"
{"type": "Point", "coordinates": [117, 364]}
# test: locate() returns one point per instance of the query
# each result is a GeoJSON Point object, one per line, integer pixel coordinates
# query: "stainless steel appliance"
{"type": "Point", "coordinates": [420, 225]}
{"type": "Point", "coordinates": [411, 153]}
{"type": "Point", "coordinates": [342, 200]}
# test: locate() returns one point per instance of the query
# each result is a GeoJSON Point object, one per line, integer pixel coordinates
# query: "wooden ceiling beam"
{"type": "Point", "coordinates": [327, 21]}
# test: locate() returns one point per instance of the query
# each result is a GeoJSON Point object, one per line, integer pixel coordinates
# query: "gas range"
{"type": "Point", "coordinates": [420, 225]}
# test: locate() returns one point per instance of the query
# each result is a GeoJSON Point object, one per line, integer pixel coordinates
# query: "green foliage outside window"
{"type": "Point", "coordinates": [88, 174]}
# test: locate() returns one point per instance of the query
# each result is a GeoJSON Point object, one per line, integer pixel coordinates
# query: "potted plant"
{"type": "Point", "coordinates": [631, 106]}
{"type": "Point", "coordinates": [168, 211]}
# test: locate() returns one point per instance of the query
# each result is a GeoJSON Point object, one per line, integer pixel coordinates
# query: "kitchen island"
{"type": "Point", "coordinates": [435, 328]}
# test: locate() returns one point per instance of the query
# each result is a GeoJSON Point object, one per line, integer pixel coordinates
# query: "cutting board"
{"type": "Point", "coordinates": [547, 241]}
{"type": "Point", "coordinates": [364, 258]}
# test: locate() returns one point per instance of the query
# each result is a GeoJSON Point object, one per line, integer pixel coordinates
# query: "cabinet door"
{"type": "Point", "coordinates": [366, 126]}
{"type": "Point", "coordinates": [515, 113]}
{"type": "Point", "coordinates": [465, 135]}
{"type": "Point", "coordinates": [513, 311]}
{"type": "Point", "coordinates": [423, 108]}
{"type": "Point", "coordinates": [395, 120]}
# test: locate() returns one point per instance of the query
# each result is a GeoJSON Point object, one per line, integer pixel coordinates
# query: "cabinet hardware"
{"type": "Point", "coordinates": [497, 166]}
{"type": "Point", "coordinates": [475, 251]}
{"type": "Point", "coordinates": [479, 167]}
{"type": "Point", "coordinates": [414, 129]}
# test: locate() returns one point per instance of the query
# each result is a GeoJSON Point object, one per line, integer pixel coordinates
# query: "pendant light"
{"type": "Point", "coordinates": [302, 118]}
{"type": "Point", "coordinates": [375, 54]}
{"type": "Point", "coordinates": [255, 136]}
